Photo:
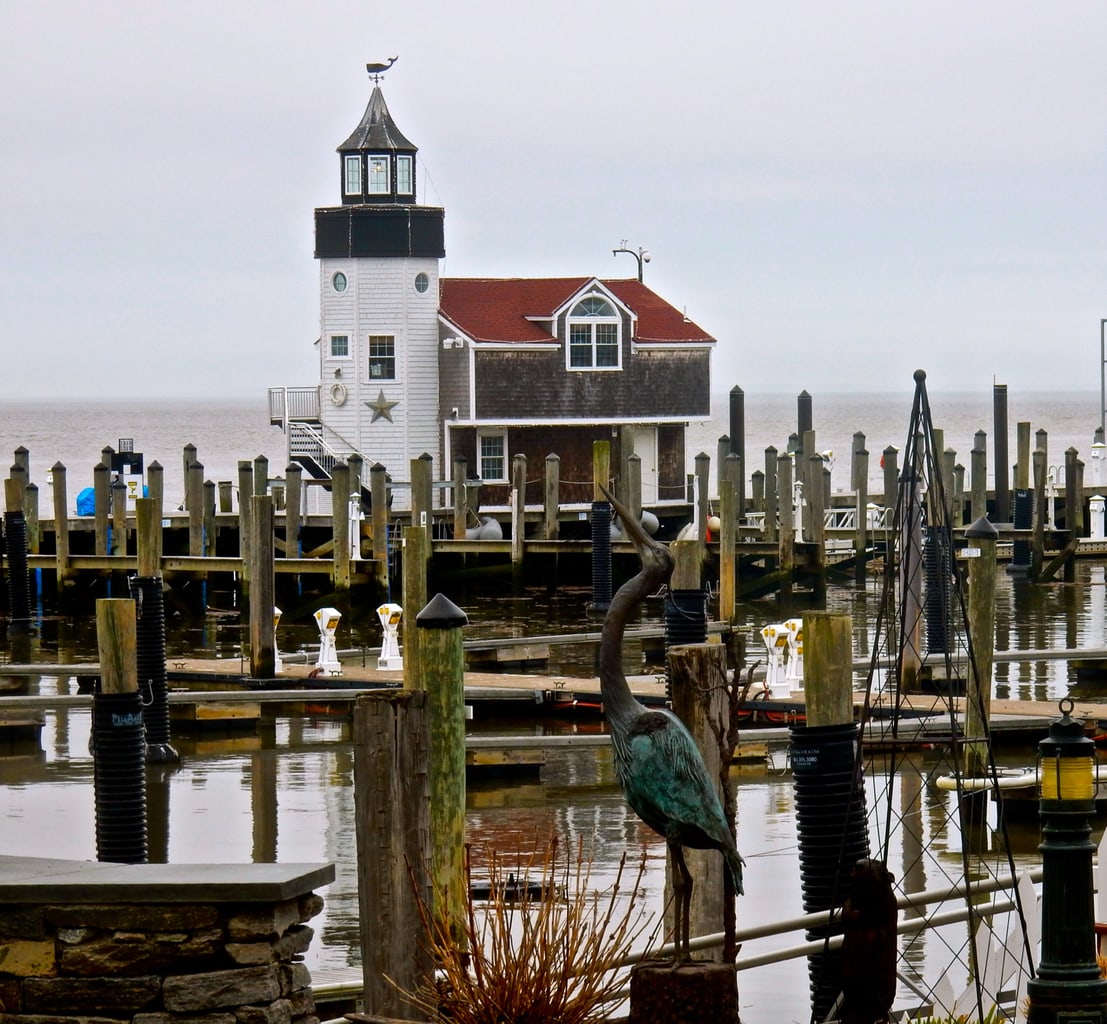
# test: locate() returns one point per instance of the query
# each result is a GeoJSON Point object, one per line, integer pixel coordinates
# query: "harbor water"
{"type": "Point", "coordinates": [286, 793]}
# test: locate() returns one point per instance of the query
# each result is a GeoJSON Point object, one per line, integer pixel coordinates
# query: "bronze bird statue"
{"type": "Point", "coordinates": [657, 762]}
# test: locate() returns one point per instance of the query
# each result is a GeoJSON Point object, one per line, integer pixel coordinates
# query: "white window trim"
{"type": "Point", "coordinates": [592, 322]}
{"type": "Point", "coordinates": [410, 163]}
{"type": "Point", "coordinates": [502, 435]}
{"type": "Point", "coordinates": [351, 161]}
{"type": "Point", "coordinates": [370, 190]}
{"type": "Point", "coordinates": [348, 357]}
{"type": "Point", "coordinates": [369, 358]}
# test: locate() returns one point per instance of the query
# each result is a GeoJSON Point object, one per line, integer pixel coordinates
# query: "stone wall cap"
{"type": "Point", "coordinates": [42, 880]}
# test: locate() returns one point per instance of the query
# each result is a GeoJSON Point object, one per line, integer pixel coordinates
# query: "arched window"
{"type": "Point", "coordinates": [594, 330]}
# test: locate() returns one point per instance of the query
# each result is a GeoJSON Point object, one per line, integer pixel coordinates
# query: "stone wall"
{"type": "Point", "coordinates": [230, 958]}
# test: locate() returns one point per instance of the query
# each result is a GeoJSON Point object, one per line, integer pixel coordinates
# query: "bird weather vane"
{"type": "Point", "coordinates": [376, 70]}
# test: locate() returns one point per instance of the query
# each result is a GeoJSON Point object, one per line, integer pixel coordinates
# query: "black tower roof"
{"type": "Point", "coordinates": [377, 131]}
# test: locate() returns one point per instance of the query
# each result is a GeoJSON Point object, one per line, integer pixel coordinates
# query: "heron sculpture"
{"type": "Point", "coordinates": [657, 762]}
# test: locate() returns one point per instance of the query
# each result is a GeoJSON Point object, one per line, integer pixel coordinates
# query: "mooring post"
{"type": "Point", "coordinates": [15, 548]}
{"type": "Point", "coordinates": [378, 495]}
{"type": "Point", "coordinates": [61, 526]}
{"type": "Point", "coordinates": [728, 565]}
{"type": "Point", "coordinates": [1073, 503]}
{"type": "Point", "coordinates": [1001, 470]}
{"type": "Point", "coordinates": [861, 507]}
{"type": "Point", "coordinates": [294, 490]}
{"type": "Point", "coordinates": [209, 518]}
{"type": "Point", "coordinates": [634, 486]}
{"type": "Point", "coordinates": [415, 540]}
{"type": "Point", "coordinates": [422, 507]}
{"type": "Point", "coordinates": [774, 495]}
{"type": "Point", "coordinates": [118, 517]}
{"type": "Point", "coordinates": [518, 510]}
{"type": "Point", "coordinates": [461, 519]}
{"type": "Point", "coordinates": [816, 508]}
{"type": "Point", "coordinates": [601, 527]}
{"type": "Point", "coordinates": [738, 444]}
{"type": "Point", "coordinates": [441, 672]}
{"type": "Point", "coordinates": [722, 450]}
{"type": "Point", "coordinates": [188, 457]}
{"type": "Point", "coordinates": [1022, 455]}
{"type": "Point", "coordinates": [980, 552]}
{"type": "Point", "coordinates": [889, 462]}
{"type": "Point", "coordinates": [551, 496]}
{"type": "Point", "coordinates": [340, 524]}
{"type": "Point", "coordinates": [245, 493]}
{"type": "Point", "coordinates": [786, 540]}
{"type": "Point", "coordinates": [155, 486]}
{"type": "Point", "coordinates": [1037, 542]}
{"type": "Point", "coordinates": [392, 815]}
{"type": "Point", "coordinates": [263, 644]}
{"type": "Point", "coordinates": [194, 502]}
{"type": "Point", "coordinates": [118, 738]}
{"type": "Point", "coordinates": [703, 501]}
{"type": "Point", "coordinates": [101, 497]}
{"type": "Point", "coordinates": [226, 499]}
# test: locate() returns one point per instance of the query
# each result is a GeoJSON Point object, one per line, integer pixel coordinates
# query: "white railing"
{"type": "Point", "coordinates": [290, 405]}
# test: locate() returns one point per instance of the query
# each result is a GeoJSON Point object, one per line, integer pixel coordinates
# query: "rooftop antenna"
{"type": "Point", "coordinates": [376, 70]}
{"type": "Point", "coordinates": [642, 256]}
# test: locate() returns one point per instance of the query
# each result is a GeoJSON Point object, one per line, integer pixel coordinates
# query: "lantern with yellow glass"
{"type": "Point", "coordinates": [1068, 986]}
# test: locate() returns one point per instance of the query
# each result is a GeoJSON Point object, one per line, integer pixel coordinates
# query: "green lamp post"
{"type": "Point", "coordinates": [1068, 988]}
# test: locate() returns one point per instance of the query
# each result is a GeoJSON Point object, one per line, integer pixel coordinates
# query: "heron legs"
{"type": "Point", "coordinates": [682, 899]}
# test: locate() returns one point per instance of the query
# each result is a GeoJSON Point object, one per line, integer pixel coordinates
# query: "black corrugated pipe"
{"type": "Point", "coordinates": [1023, 520]}
{"type": "Point", "coordinates": [19, 579]}
{"type": "Point", "coordinates": [119, 777]}
{"type": "Point", "coordinates": [685, 623]}
{"type": "Point", "coordinates": [937, 558]}
{"type": "Point", "coordinates": [601, 556]}
{"type": "Point", "coordinates": [150, 657]}
{"type": "Point", "coordinates": [832, 834]}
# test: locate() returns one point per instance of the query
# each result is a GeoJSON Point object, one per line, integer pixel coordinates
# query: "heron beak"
{"type": "Point", "coordinates": [634, 529]}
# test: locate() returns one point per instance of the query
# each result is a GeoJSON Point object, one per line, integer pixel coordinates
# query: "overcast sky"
{"type": "Point", "coordinates": [838, 192]}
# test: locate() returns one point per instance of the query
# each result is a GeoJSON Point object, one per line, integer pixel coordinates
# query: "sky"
{"type": "Point", "coordinates": [840, 193]}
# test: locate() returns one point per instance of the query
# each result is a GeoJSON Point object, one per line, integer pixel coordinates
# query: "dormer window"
{"type": "Point", "coordinates": [379, 184]}
{"type": "Point", "coordinates": [353, 175]}
{"type": "Point", "coordinates": [594, 330]}
{"type": "Point", "coordinates": [404, 179]}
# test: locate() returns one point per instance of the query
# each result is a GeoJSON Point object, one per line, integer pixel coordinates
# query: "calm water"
{"type": "Point", "coordinates": [288, 796]}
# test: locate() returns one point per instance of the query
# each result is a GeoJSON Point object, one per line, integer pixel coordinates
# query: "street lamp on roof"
{"type": "Point", "coordinates": [641, 255]}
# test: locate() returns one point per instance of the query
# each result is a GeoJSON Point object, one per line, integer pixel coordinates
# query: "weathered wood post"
{"type": "Point", "coordinates": [101, 492]}
{"type": "Point", "coordinates": [378, 493]}
{"type": "Point", "coordinates": [118, 517]}
{"type": "Point", "coordinates": [634, 486]}
{"type": "Point", "coordinates": [722, 450]}
{"type": "Point", "coordinates": [774, 494]}
{"type": "Point", "coordinates": [119, 775]}
{"type": "Point", "coordinates": [757, 490]}
{"type": "Point", "coordinates": [1073, 504]}
{"type": "Point", "coordinates": [978, 471]}
{"type": "Point", "coordinates": [1001, 470]}
{"type": "Point", "coordinates": [738, 445]}
{"type": "Point", "coordinates": [392, 815]}
{"type": "Point", "coordinates": [209, 519]}
{"type": "Point", "coordinates": [786, 540]}
{"type": "Point", "coordinates": [981, 554]}
{"type": "Point", "coordinates": [601, 527]}
{"type": "Point", "coordinates": [949, 488]}
{"type": "Point", "coordinates": [415, 540]}
{"type": "Point", "coordinates": [889, 461]}
{"type": "Point", "coordinates": [422, 501]}
{"type": "Point", "coordinates": [226, 496]}
{"type": "Point", "coordinates": [61, 526]}
{"type": "Point", "coordinates": [551, 496]}
{"type": "Point", "coordinates": [1037, 542]}
{"type": "Point", "coordinates": [261, 475]}
{"type": "Point", "coordinates": [245, 493]}
{"type": "Point", "coordinates": [30, 512]}
{"type": "Point", "coordinates": [728, 565]}
{"type": "Point", "coordinates": [1022, 455]}
{"type": "Point", "coordinates": [703, 500]}
{"type": "Point", "coordinates": [155, 486]}
{"type": "Point", "coordinates": [263, 644]}
{"type": "Point", "coordinates": [441, 672]}
{"type": "Point", "coordinates": [461, 519]}
{"type": "Point", "coordinates": [194, 502]}
{"type": "Point", "coordinates": [816, 506]}
{"type": "Point", "coordinates": [861, 506]}
{"type": "Point", "coordinates": [293, 504]}
{"type": "Point", "coordinates": [188, 457]}
{"type": "Point", "coordinates": [340, 524]}
{"type": "Point", "coordinates": [518, 510]}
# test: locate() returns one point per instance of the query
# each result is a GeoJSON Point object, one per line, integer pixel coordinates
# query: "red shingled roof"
{"type": "Point", "coordinates": [497, 309]}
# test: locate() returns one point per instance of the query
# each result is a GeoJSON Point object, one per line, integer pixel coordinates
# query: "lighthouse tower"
{"type": "Point", "coordinates": [378, 256]}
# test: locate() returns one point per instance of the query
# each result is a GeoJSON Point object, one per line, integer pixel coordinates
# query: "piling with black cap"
{"type": "Point", "coordinates": [15, 547]}
{"type": "Point", "coordinates": [601, 556]}
{"type": "Point", "coordinates": [118, 739]}
{"type": "Point", "coordinates": [829, 791]}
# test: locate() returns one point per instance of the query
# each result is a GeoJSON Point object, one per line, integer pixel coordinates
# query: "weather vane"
{"type": "Point", "coordinates": [376, 70]}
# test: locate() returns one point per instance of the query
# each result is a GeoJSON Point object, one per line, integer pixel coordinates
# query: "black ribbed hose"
{"type": "Point", "coordinates": [832, 835]}
{"type": "Point", "coordinates": [601, 556]}
{"type": "Point", "coordinates": [119, 777]}
{"type": "Point", "coordinates": [150, 658]}
{"type": "Point", "coordinates": [19, 579]}
{"type": "Point", "coordinates": [685, 623]}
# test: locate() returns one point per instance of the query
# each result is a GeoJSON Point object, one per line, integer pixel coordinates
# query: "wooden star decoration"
{"type": "Point", "coordinates": [382, 408]}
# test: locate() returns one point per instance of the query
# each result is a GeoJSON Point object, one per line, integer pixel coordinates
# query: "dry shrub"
{"type": "Point", "coordinates": [529, 957]}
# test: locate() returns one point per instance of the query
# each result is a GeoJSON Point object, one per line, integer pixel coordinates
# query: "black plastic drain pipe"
{"type": "Point", "coordinates": [119, 777]}
{"type": "Point", "coordinates": [832, 834]}
{"type": "Point", "coordinates": [1023, 519]}
{"type": "Point", "coordinates": [601, 556]}
{"type": "Point", "coordinates": [150, 658]}
{"type": "Point", "coordinates": [937, 558]}
{"type": "Point", "coordinates": [685, 623]}
{"type": "Point", "coordinates": [19, 580]}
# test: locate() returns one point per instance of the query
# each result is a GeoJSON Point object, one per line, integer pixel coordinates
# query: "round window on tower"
{"type": "Point", "coordinates": [338, 282]}
{"type": "Point", "coordinates": [422, 282]}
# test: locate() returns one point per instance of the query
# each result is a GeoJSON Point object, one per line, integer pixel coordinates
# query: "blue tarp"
{"type": "Point", "coordinates": [86, 502]}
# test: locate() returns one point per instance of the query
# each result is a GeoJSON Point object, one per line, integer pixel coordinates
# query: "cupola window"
{"type": "Point", "coordinates": [594, 330]}
{"type": "Point", "coordinates": [379, 184]}
{"type": "Point", "coordinates": [353, 175]}
{"type": "Point", "coordinates": [404, 186]}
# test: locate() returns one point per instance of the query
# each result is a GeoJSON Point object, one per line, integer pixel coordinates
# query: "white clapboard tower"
{"type": "Point", "coordinates": [379, 254]}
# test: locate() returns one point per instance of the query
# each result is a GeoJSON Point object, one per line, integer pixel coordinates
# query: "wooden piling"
{"type": "Point", "coordinates": [441, 666]}
{"type": "Point", "coordinates": [1037, 540]}
{"type": "Point", "coordinates": [263, 649]}
{"type": "Point", "coordinates": [194, 502]}
{"type": "Point", "coordinates": [188, 457]}
{"type": "Point", "coordinates": [550, 497]}
{"type": "Point", "coordinates": [827, 668]}
{"type": "Point", "coordinates": [392, 815]}
{"type": "Point", "coordinates": [461, 518]}
{"type": "Point", "coordinates": [422, 491]}
{"type": "Point", "coordinates": [261, 475]}
{"type": "Point", "coordinates": [101, 491]}
{"type": "Point", "coordinates": [634, 486]}
{"type": "Point", "coordinates": [981, 537]}
{"type": "Point", "coordinates": [978, 471]}
{"type": "Point", "coordinates": [699, 699]}
{"type": "Point", "coordinates": [209, 526]}
{"type": "Point", "coordinates": [245, 493]}
{"type": "Point", "coordinates": [118, 518]}
{"type": "Point", "coordinates": [294, 491]}
{"type": "Point", "coordinates": [786, 541]}
{"type": "Point", "coordinates": [703, 501]}
{"type": "Point", "coordinates": [378, 492]}
{"type": "Point", "coordinates": [148, 538]}
{"type": "Point", "coordinates": [1001, 471]}
{"type": "Point", "coordinates": [518, 509]}
{"type": "Point", "coordinates": [416, 545]}
{"type": "Point", "coordinates": [775, 497]}
{"type": "Point", "coordinates": [728, 565]}
{"type": "Point", "coordinates": [226, 496]}
{"type": "Point", "coordinates": [340, 524]}
{"type": "Point", "coordinates": [861, 504]}
{"type": "Point", "coordinates": [1022, 455]}
{"type": "Point", "coordinates": [61, 526]}
{"type": "Point", "coordinates": [738, 444]}
{"type": "Point", "coordinates": [889, 461]}
{"type": "Point", "coordinates": [601, 468]}
{"type": "Point", "coordinates": [1073, 504]}
{"type": "Point", "coordinates": [155, 485]}
{"type": "Point", "coordinates": [116, 642]}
